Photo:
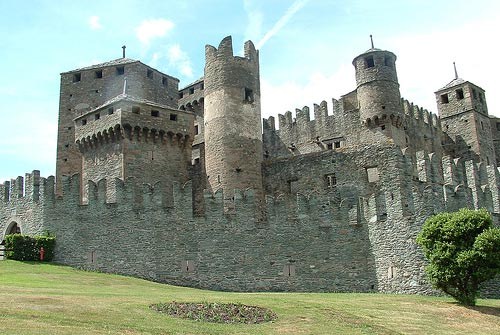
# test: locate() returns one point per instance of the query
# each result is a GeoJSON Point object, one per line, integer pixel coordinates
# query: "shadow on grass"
{"type": "Point", "coordinates": [486, 310]}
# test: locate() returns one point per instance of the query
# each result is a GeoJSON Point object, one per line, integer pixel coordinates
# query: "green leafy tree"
{"type": "Point", "coordinates": [463, 250]}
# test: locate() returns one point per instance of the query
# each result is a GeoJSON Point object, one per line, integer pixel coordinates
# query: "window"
{"type": "Point", "coordinates": [98, 74]}
{"type": "Point", "coordinates": [97, 116]}
{"type": "Point", "coordinates": [188, 266]}
{"type": "Point", "coordinates": [136, 110]}
{"type": "Point", "coordinates": [330, 180]}
{"type": "Point", "coordinates": [202, 86]}
{"type": "Point", "coordinates": [84, 122]}
{"type": "Point", "coordinates": [444, 98]}
{"type": "Point", "coordinates": [120, 70]}
{"type": "Point", "coordinates": [388, 61]}
{"type": "Point", "coordinates": [382, 127]}
{"type": "Point", "coordinates": [77, 77]}
{"type": "Point", "coordinates": [173, 117]}
{"type": "Point", "coordinates": [482, 125]}
{"type": "Point", "coordinates": [329, 146]}
{"type": "Point", "coordinates": [498, 125]}
{"type": "Point", "coordinates": [289, 270]}
{"type": "Point", "coordinates": [164, 81]}
{"type": "Point", "coordinates": [369, 61]}
{"type": "Point", "coordinates": [196, 130]}
{"type": "Point", "coordinates": [336, 144]}
{"type": "Point", "coordinates": [480, 97]}
{"type": "Point", "coordinates": [372, 173]}
{"type": "Point", "coordinates": [110, 110]}
{"type": "Point", "coordinates": [248, 95]}
{"type": "Point", "coordinates": [460, 94]}
{"type": "Point", "coordinates": [155, 113]}
{"type": "Point", "coordinates": [191, 90]}
{"type": "Point", "coordinates": [474, 93]}
{"type": "Point", "coordinates": [149, 73]}
{"type": "Point", "coordinates": [181, 95]}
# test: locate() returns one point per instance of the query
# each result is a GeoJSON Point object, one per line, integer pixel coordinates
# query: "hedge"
{"type": "Point", "coordinates": [27, 248]}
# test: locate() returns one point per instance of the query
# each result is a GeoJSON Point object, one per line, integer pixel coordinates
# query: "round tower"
{"type": "Point", "coordinates": [233, 124]}
{"type": "Point", "coordinates": [378, 88]}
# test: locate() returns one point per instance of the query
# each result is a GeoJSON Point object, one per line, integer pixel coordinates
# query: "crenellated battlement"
{"type": "Point", "coordinates": [419, 116]}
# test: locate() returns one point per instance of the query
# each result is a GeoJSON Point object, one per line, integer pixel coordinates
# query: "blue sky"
{"type": "Point", "coordinates": [306, 50]}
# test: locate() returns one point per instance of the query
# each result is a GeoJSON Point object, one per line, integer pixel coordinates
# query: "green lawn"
{"type": "Point", "coordinates": [51, 299]}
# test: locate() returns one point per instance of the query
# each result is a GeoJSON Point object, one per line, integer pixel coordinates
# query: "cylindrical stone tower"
{"type": "Point", "coordinates": [377, 87]}
{"type": "Point", "coordinates": [233, 124]}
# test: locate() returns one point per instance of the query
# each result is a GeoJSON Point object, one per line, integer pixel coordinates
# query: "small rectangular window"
{"type": "Point", "coordinates": [498, 125]}
{"type": "Point", "coordinates": [289, 270]}
{"type": "Point", "coordinates": [444, 98]}
{"type": "Point", "coordinates": [110, 110]}
{"type": "Point", "coordinates": [330, 180]}
{"type": "Point", "coordinates": [191, 90]}
{"type": "Point", "coordinates": [97, 116]}
{"type": "Point", "coordinates": [474, 93]}
{"type": "Point", "coordinates": [149, 73]}
{"type": "Point", "coordinates": [155, 113]}
{"type": "Point", "coordinates": [196, 130]}
{"type": "Point", "coordinates": [202, 86]}
{"type": "Point", "coordinates": [98, 74]}
{"type": "Point", "coordinates": [337, 144]}
{"type": "Point", "coordinates": [248, 95]}
{"type": "Point", "coordinates": [164, 81]}
{"type": "Point", "coordinates": [329, 146]}
{"type": "Point", "coordinates": [388, 61]}
{"type": "Point", "coordinates": [136, 110]}
{"type": "Point", "coordinates": [460, 94]}
{"type": "Point", "coordinates": [372, 174]}
{"type": "Point", "coordinates": [173, 117]}
{"type": "Point", "coordinates": [181, 95]}
{"type": "Point", "coordinates": [84, 122]}
{"type": "Point", "coordinates": [369, 61]}
{"type": "Point", "coordinates": [120, 70]}
{"type": "Point", "coordinates": [77, 77]}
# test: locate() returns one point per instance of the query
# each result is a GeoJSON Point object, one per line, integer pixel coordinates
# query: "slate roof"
{"type": "Point", "coordinates": [119, 61]}
{"type": "Point", "coordinates": [454, 82]}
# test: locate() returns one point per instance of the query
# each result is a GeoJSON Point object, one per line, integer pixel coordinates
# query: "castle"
{"type": "Point", "coordinates": [192, 187]}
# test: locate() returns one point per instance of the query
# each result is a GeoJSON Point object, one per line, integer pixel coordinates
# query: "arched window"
{"type": "Point", "coordinates": [13, 229]}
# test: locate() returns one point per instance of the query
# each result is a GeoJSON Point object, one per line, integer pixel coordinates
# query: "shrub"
{"type": "Point", "coordinates": [27, 248]}
{"type": "Point", "coordinates": [463, 250]}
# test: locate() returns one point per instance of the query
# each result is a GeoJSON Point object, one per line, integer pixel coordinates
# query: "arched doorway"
{"type": "Point", "coordinates": [12, 228]}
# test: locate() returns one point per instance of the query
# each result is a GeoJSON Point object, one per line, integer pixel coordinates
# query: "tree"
{"type": "Point", "coordinates": [463, 250]}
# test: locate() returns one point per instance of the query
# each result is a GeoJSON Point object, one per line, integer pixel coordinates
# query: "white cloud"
{"type": "Point", "coordinates": [180, 60]}
{"type": "Point", "coordinates": [94, 23]}
{"type": "Point", "coordinates": [287, 96]}
{"type": "Point", "coordinates": [255, 19]}
{"type": "Point", "coordinates": [294, 8]}
{"type": "Point", "coordinates": [153, 28]}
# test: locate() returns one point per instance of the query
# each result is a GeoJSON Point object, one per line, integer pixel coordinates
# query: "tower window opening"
{"type": "Point", "coordinates": [173, 117]}
{"type": "Point", "coordinates": [191, 90]}
{"type": "Point", "coordinates": [84, 122]}
{"type": "Point", "coordinates": [120, 70]}
{"type": "Point", "coordinates": [155, 113]}
{"type": "Point", "coordinates": [336, 144]}
{"type": "Point", "coordinates": [202, 86]}
{"type": "Point", "coordinates": [388, 61]}
{"type": "Point", "coordinates": [181, 95]}
{"type": "Point", "coordinates": [474, 93]}
{"type": "Point", "coordinates": [382, 127]}
{"type": "Point", "coordinates": [460, 94]}
{"type": "Point", "coordinates": [330, 180]}
{"type": "Point", "coordinates": [480, 97]}
{"type": "Point", "coordinates": [98, 74]}
{"type": "Point", "coordinates": [77, 77]}
{"type": "Point", "coordinates": [444, 98]}
{"type": "Point", "coordinates": [149, 73]}
{"type": "Point", "coordinates": [369, 61]}
{"type": "Point", "coordinates": [248, 95]}
{"type": "Point", "coordinates": [329, 146]}
{"type": "Point", "coordinates": [498, 125]}
{"type": "Point", "coordinates": [164, 81]}
{"type": "Point", "coordinates": [196, 130]}
{"type": "Point", "coordinates": [110, 110]}
{"type": "Point", "coordinates": [136, 110]}
{"type": "Point", "coordinates": [97, 116]}
{"type": "Point", "coordinates": [482, 125]}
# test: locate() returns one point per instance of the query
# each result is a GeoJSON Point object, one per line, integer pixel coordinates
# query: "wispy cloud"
{"type": "Point", "coordinates": [290, 12]}
{"type": "Point", "coordinates": [178, 60]}
{"type": "Point", "coordinates": [255, 19]}
{"type": "Point", "coordinates": [153, 28]}
{"type": "Point", "coordinates": [94, 23]}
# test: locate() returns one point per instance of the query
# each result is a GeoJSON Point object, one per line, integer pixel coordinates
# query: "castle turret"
{"type": "Point", "coordinates": [378, 92]}
{"type": "Point", "coordinates": [233, 133]}
{"type": "Point", "coordinates": [464, 117]}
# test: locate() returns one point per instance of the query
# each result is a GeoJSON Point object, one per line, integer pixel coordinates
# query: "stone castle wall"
{"type": "Point", "coordinates": [352, 236]}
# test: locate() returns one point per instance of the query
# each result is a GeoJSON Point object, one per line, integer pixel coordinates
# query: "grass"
{"type": "Point", "coordinates": [51, 299]}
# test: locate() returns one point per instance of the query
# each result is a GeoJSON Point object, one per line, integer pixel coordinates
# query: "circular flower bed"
{"type": "Point", "coordinates": [216, 312]}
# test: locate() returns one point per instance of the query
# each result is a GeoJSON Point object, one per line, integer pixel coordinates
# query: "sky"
{"type": "Point", "coordinates": [306, 52]}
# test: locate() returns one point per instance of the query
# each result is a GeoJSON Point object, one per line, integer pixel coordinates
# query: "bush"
{"type": "Point", "coordinates": [27, 248]}
{"type": "Point", "coordinates": [463, 250]}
